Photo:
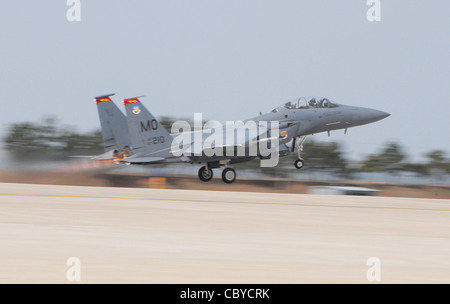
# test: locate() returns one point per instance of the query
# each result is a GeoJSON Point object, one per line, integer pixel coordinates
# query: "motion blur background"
{"type": "Point", "coordinates": [230, 60]}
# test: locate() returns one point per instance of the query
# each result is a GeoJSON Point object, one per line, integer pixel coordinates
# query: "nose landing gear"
{"type": "Point", "coordinates": [298, 163]}
{"type": "Point", "coordinates": [298, 144]}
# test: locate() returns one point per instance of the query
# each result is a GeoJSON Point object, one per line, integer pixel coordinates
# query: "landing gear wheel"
{"type": "Point", "coordinates": [299, 163]}
{"type": "Point", "coordinates": [228, 175]}
{"type": "Point", "coordinates": [205, 174]}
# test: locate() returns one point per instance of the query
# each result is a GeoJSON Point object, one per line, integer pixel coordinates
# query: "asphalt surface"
{"type": "Point", "coordinates": [124, 235]}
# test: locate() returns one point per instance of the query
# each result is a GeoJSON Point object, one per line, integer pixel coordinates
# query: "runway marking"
{"type": "Point", "coordinates": [219, 202]}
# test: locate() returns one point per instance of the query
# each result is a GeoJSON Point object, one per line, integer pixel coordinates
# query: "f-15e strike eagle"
{"type": "Point", "coordinates": [139, 139]}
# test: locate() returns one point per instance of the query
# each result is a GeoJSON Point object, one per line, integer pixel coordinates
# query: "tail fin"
{"type": "Point", "coordinates": [144, 128]}
{"type": "Point", "coordinates": [113, 122]}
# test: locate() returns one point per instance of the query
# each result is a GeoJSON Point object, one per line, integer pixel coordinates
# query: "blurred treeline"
{"type": "Point", "coordinates": [49, 140]}
{"type": "Point", "coordinates": [390, 159]}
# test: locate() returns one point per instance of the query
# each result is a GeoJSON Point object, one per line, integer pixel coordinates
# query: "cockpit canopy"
{"type": "Point", "coordinates": [307, 103]}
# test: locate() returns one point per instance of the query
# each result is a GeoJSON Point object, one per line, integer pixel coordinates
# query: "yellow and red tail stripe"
{"type": "Point", "coordinates": [102, 99]}
{"type": "Point", "coordinates": [132, 100]}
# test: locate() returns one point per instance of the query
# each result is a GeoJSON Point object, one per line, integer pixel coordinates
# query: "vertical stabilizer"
{"type": "Point", "coordinates": [114, 124]}
{"type": "Point", "coordinates": [145, 130]}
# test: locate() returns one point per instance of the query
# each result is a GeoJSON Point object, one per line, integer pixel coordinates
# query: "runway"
{"type": "Point", "coordinates": [128, 235]}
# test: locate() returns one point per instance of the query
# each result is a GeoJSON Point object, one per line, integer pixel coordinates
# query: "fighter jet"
{"type": "Point", "coordinates": [144, 141]}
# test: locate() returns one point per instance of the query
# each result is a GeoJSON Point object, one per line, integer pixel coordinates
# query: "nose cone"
{"type": "Point", "coordinates": [371, 115]}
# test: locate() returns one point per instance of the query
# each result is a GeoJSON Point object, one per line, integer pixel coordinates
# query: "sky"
{"type": "Point", "coordinates": [230, 60]}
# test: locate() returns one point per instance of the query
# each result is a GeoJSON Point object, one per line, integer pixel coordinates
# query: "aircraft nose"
{"type": "Point", "coordinates": [371, 115]}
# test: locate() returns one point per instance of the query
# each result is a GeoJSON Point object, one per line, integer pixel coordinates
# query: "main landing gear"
{"type": "Point", "coordinates": [206, 174]}
{"type": "Point", "coordinates": [228, 175]}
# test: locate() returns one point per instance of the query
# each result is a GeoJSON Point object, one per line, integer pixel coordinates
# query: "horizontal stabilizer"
{"type": "Point", "coordinates": [105, 156]}
{"type": "Point", "coordinates": [141, 160]}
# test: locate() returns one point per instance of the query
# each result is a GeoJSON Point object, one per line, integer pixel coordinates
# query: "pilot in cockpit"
{"type": "Point", "coordinates": [322, 103]}
{"type": "Point", "coordinates": [290, 105]}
